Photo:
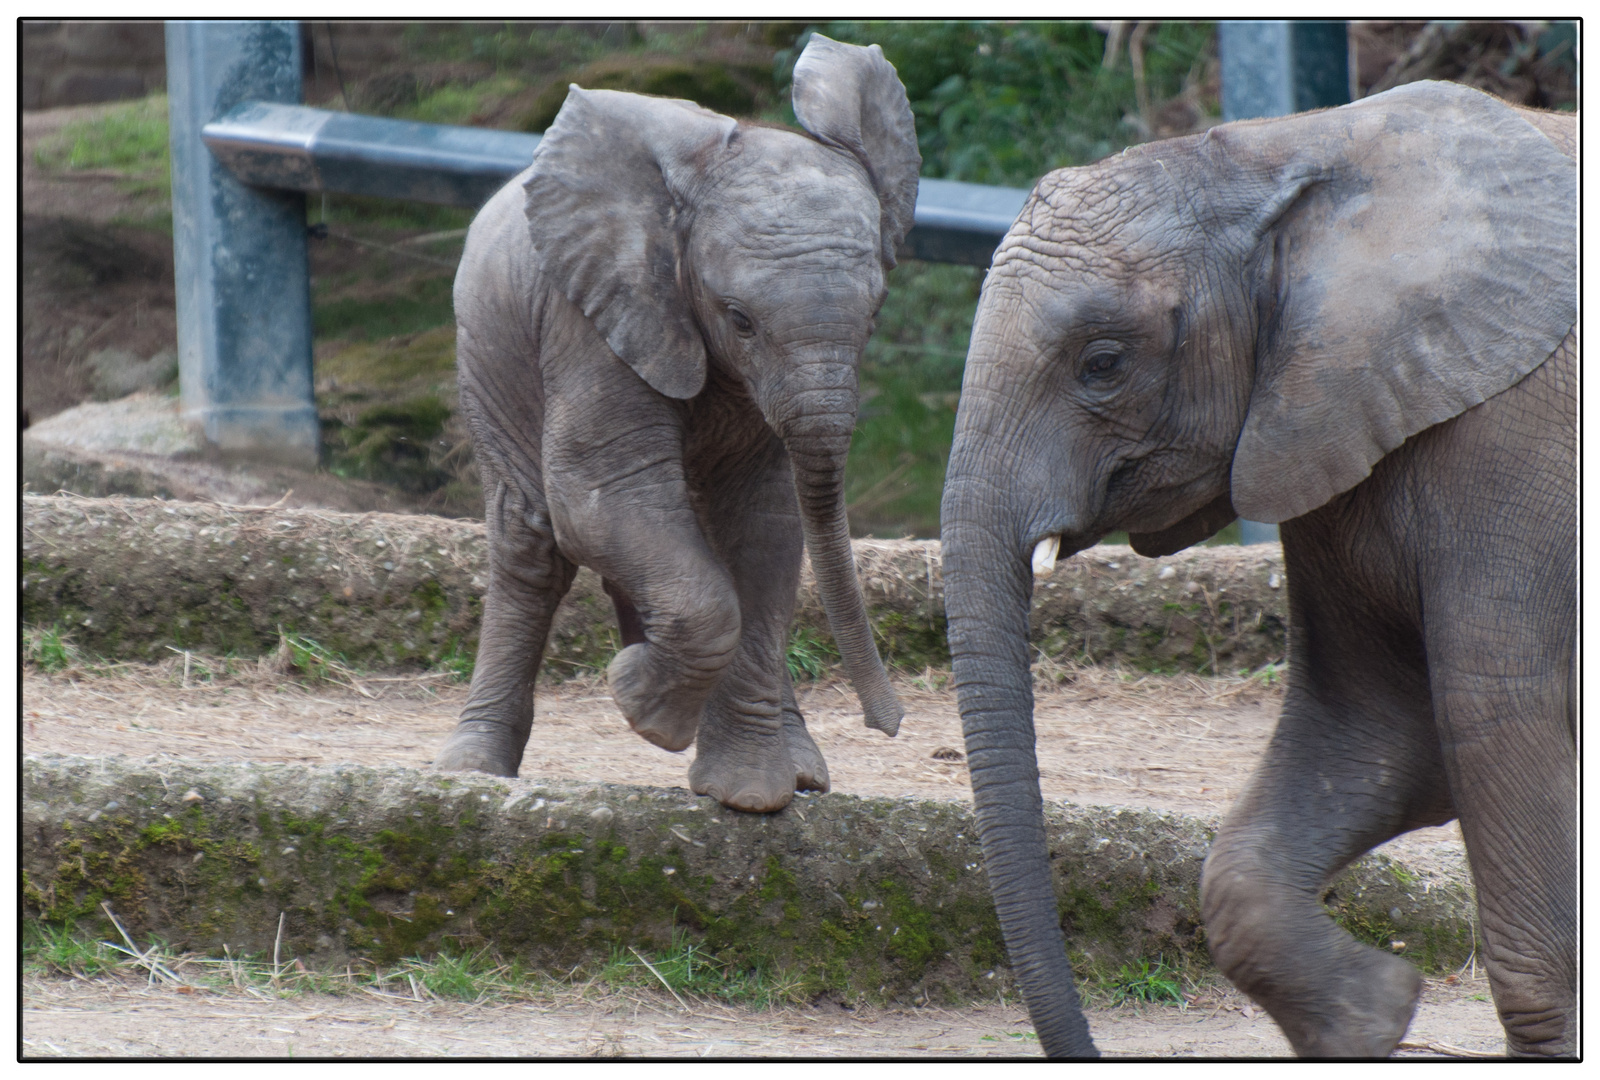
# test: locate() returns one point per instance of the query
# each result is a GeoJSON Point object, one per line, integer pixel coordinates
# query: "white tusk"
{"type": "Point", "coordinates": [1044, 556]}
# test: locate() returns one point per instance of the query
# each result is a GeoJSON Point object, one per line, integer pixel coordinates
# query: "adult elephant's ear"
{"type": "Point", "coordinates": [1416, 254]}
{"type": "Point", "coordinates": [608, 183]}
{"type": "Point", "coordinates": [850, 97]}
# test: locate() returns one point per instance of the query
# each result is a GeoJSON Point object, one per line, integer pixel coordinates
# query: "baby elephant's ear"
{"type": "Point", "coordinates": [850, 97]}
{"type": "Point", "coordinates": [608, 183]}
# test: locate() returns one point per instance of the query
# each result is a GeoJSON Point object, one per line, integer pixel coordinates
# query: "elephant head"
{"type": "Point", "coordinates": [1244, 320]}
{"type": "Point", "coordinates": [702, 247]}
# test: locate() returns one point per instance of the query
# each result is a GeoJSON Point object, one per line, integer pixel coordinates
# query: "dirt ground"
{"type": "Point", "coordinates": [108, 1018]}
{"type": "Point", "coordinates": [1184, 744]}
{"type": "Point", "coordinates": [1181, 743]}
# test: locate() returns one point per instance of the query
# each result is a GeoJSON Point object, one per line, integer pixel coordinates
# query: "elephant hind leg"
{"type": "Point", "coordinates": [1338, 778]}
{"type": "Point", "coordinates": [527, 579]}
{"type": "Point", "coordinates": [1512, 761]}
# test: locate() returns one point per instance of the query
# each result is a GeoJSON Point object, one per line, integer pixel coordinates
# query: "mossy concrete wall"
{"type": "Point", "coordinates": [128, 577]}
{"type": "Point", "coordinates": [874, 898]}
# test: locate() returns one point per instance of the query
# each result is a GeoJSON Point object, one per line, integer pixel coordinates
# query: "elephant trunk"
{"type": "Point", "coordinates": [816, 426]}
{"type": "Point", "coordinates": [988, 590]}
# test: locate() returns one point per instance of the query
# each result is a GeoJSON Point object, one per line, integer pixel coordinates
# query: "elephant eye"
{"type": "Point", "coordinates": [741, 321]}
{"type": "Point", "coordinates": [1100, 361]}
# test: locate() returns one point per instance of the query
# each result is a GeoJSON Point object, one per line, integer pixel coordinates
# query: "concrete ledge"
{"type": "Point", "coordinates": [876, 898]}
{"type": "Point", "coordinates": [128, 577]}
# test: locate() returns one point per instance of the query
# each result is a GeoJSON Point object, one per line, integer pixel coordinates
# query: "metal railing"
{"type": "Point", "coordinates": [297, 148]}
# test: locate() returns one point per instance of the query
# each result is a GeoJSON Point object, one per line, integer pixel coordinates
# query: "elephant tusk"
{"type": "Point", "coordinates": [1044, 556]}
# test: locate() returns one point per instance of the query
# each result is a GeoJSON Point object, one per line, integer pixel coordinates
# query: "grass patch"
{"type": "Point", "coordinates": [1146, 982]}
{"type": "Point", "coordinates": [459, 663]}
{"type": "Point", "coordinates": [506, 46]}
{"type": "Point", "coordinates": [129, 138]}
{"type": "Point", "coordinates": [684, 969]}
{"type": "Point", "coordinates": [809, 655]}
{"type": "Point", "coordinates": [458, 103]}
{"type": "Point", "coordinates": [49, 949]}
{"type": "Point", "coordinates": [44, 648]}
{"type": "Point", "coordinates": [374, 212]}
{"type": "Point", "coordinates": [416, 305]}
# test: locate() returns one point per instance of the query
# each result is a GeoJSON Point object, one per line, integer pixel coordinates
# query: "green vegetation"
{"type": "Point", "coordinates": [419, 303]}
{"type": "Point", "coordinates": [45, 649]}
{"type": "Point", "coordinates": [1005, 102]}
{"type": "Point", "coordinates": [62, 949]}
{"type": "Point", "coordinates": [130, 138]}
{"type": "Point", "coordinates": [809, 654]}
{"type": "Point", "coordinates": [458, 662]}
{"type": "Point", "coordinates": [910, 381]}
{"type": "Point", "coordinates": [1147, 982]}
{"type": "Point", "coordinates": [310, 660]}
{"type": "Point", "coordinates": [686, 969]}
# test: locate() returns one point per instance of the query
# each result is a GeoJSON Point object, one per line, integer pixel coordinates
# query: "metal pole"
{"type": "Point", "coordinates": [1274, 68]}
{"type": "Point", "coordinates": [243, 291]}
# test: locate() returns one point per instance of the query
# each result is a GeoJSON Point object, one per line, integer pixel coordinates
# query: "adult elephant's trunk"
{"type": "Point", "coordinates": [818, 446]}
{"type": "Point", "coordinates": [988, 589]}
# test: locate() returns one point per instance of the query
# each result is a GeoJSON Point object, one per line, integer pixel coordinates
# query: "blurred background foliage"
{"type": "Point", "coordinates": [995, 102]}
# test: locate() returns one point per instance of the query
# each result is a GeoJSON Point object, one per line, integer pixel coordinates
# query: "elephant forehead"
{"type": "Point", "coordinates": [785, 220]}
{"type": "Point", "coordinates": [1096, 221]}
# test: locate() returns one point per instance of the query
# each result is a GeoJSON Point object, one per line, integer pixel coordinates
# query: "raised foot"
{"type": "Point", "coordinates": [1365, 1014]}
{"type": "Point", "coordinates": [479, 746]}
{"type": "Point", "coordinates": [669, 720]}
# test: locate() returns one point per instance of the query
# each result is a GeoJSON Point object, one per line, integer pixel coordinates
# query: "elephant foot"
{"type": "Point", "coordinates": [1365, 1014]}
{"type": "Point", "coordinates": [743, 763]}
{"type": "Point", "coordinates": [810, 770]}
{"type": "Point", "coordinates": [481, 746]}
{"type": "Point", "coordinates": [667, 719]}
{"type": "Point", "coordinates": [1332, 995]}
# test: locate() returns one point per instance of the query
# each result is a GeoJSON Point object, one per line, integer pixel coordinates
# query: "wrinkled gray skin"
{"type": "Point", "coordinates": [659, 326]}
{"type": "Point", "coordinates": [1359, 323]}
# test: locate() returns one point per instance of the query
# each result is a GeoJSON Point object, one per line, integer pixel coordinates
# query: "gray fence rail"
{"type": "Point", "coordinates": [297, 148]}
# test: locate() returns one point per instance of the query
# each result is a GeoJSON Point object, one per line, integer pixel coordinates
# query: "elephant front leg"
{"type": "Point", "coordinates": [810, 770]}
{"type": "Point", "coordinates": [1339, 777]}
{"type": "Point", "coordinates": [753, 752]}
{"type": "Point", "coordinates": [620, 503]}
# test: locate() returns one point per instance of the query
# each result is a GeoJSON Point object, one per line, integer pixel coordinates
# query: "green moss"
{"type": "Point", "coordinates": [1435, 948]}
{"type": "Point", "coordinates": [912, 643]}
{"type": "Point", "coordinates": [439, 877]}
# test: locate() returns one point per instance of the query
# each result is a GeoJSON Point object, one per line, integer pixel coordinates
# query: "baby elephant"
{"type": "Point", "coordinates": [659, 326]}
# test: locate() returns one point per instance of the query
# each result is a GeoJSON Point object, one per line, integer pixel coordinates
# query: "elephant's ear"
{"type": "Point", "coordinates": [604, 195]}
{"type": "Point", "coordinates": [1417, 256]}
{"type": "Point", "coordinates": [850, 97]}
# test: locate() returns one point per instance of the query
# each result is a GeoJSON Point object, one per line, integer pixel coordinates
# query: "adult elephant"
{"type": "Point", "coordinates": [1360, 323]}
{"type": "Point", "coordinates": [659, 326]}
